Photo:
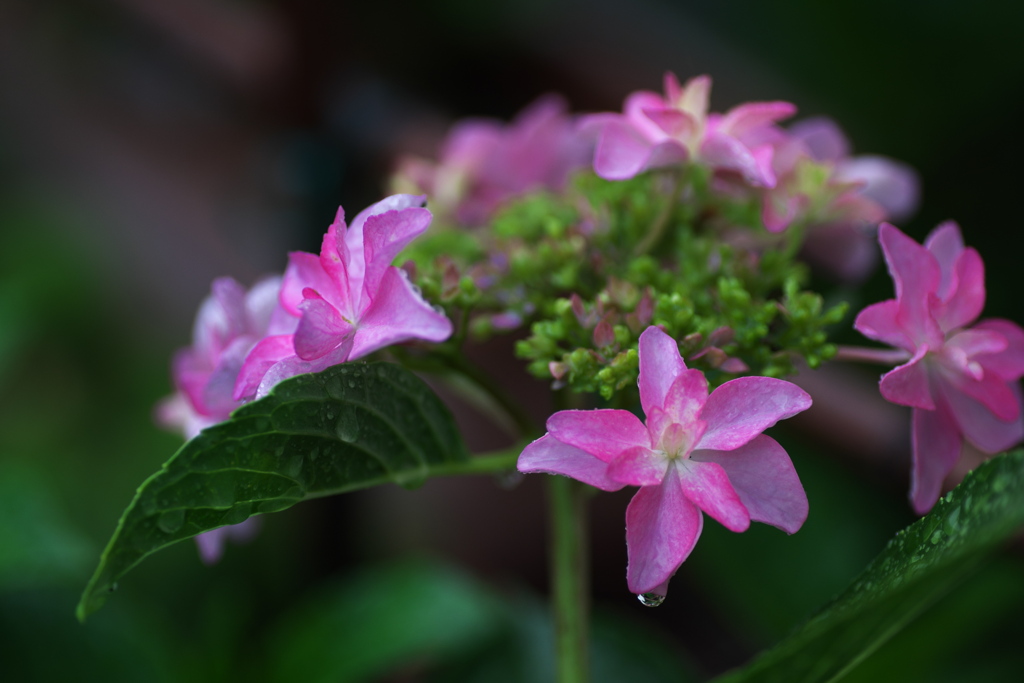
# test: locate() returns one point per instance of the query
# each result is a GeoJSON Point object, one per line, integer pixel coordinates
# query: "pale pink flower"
{"type": "Point", "coordinates": [845, 210]}
{"type": "Point", "coordinates": [349, 301]}
{"type": "Point", "coordinates": [695, 453]}
{"type": "Point", "coordinates": [484, 162]}
{"type": "Point", "coordinates": [229, 323]}
{"type": "Point", "coordinates": [655, 131]}
{"type": "Point", "coordinates": [960, 381]}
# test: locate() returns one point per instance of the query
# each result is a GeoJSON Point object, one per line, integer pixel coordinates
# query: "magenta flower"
{"type": "Point", "coordinates": [695, 453]}
{"type": "Point", "coordinates": [485, 162]}
{"type": "Point", "coordinates": [229, 323]}
{"type": "Point", "coordinates": [961, 382]}
{"type": "Point", "coordinates": [349, 301]}
{"type": "Point", "coordinates": [655, 131]}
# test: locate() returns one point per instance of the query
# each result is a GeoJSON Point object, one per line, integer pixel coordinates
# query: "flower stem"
{"type": "Point", "coordinates": [569, 578]}
{"type": "Point", "coordinates": [867, 355]}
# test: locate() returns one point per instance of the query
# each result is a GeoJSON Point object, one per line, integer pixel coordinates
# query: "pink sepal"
{"type": "Point", "coordinates": [741, 409]}
{"type": "Point", "coordinates": [605, 434]}
{"type": "Point", "coordinates": [707, 486]}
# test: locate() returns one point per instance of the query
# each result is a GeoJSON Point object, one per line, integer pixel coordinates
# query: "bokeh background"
{"type": "Point", "coordinates": [149, 146]}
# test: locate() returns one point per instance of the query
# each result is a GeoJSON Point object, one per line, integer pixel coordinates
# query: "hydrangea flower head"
{"type": "Point", "coordinates": [695, 453]}
{"type": "Point", "coordinates": [655, 131]}
{"type": "Point", "coordinates": [349, 301]}
{"type": "Point", "coordinates": [961, 381]}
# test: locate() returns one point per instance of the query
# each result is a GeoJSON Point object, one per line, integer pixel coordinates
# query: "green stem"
{"type": "Point", "coordinates": [569, 577]}
{"type": "Point", "coordinates": [456, 360]}
{"type": "Point", "coordinates": [487, 463]}
{"type": "Point", "coordinates": [657, 229]}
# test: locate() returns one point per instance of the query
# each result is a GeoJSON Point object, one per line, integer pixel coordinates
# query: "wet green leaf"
{"type": "Point", "coordinates": [920, 565]}
{"type": "Point", "coordinates": [350, 427]}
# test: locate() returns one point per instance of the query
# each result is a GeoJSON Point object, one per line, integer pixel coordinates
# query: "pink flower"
{"type": "Point", "coordinates": [695, 453]}
{"type": "Point", "coordinates": [960, 381]}
{"type": "Point", "coordinates": [229, 323]}
{"type": "Point", "coordinates": [349, 301]}
{"type": "Point", "coordinates": [655, 131]}
{"type": "Point", "coordinates": [484, 163]}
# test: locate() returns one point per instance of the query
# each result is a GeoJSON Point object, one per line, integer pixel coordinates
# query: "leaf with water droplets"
{"type": "Point", "coordinates": [361, 425]}
{"type": "Point", "coordinates": [920, 565]}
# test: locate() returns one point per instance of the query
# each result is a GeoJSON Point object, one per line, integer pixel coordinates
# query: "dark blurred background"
{"type": "Point", "coordinates": [148, 146]}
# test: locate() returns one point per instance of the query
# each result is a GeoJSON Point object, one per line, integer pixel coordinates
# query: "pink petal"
{"type": "Point", "coordinates": [916, 274]}
{"type": "Point", "coordinates": [264, 355]}
{"type": "Point", "coordinates": [1008, 364]}
{"type": "Point", "coordinates": [694, 96]}
{"type": "Point", "coordinates": [621, 152]}
{"type": "Point", "coordinates": [548, 454]}
{"type": "Point", "coordinates": [672, 122]}
{"type": "Point", "coordinates": [881, 322]}
{"type": "Point", "coordinates": [991, 391]}
{"type": "Point", "coordinates": [293, 365]}
{"type": "Point", "coordinates": [397, 314]}
{"type": "Point", "coordinates": [685, 398]}
{"type": "Point", "coordinates": [396, 202]}
{"type": "Point", "coordinates": [638, 466]}
{"type": "Point", "coordinates": [384, 236]}
{"type": "Point", "coordinates": [261, 303]}
{"type": "Point", "coordinates": [320, 330]}
{"type": "Point", "coordinates": [747, 117]}
{"type": "Point", "coordinates": [741, 409]}
{"type": "Point", "coordinates": [305, 271]}
{"type": "Point", "coordinates": [662, 527]}
{"type": "Point", "coordinates": [707, 486]}
{"type": "Point", "coordinates": [763, 476]}
{"type": "Point", "coordinates": [966, 299]}
{"type": "Point", "coordinates": [725, 152]}
{"type": "Point", "coordinates": [660, 365]}
{"type": "Point", "coordinates": [605, 434]}
{"type": "Point", "coordinates": [779, 208]}
{"type": "Point", "coordinates": [945, 243]}
{"type": "Point", "coordinates": [823, 137]}
{"type": "Point", "coordinates": [980, 426]}
{"type": "Point", "coordinates": [908, 384]}
{"type": "Point", "coordinates": [892, 185]}
{"type": "Point", "coordinates": [936, 448]}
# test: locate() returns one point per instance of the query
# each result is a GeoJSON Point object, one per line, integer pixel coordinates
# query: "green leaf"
{"type": "Point", "coordinates": [920, 565]}
{"type": "Point", "coordinates": [349, 427]}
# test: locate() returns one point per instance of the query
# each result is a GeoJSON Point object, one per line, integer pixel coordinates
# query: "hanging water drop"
{"type": "Point", "coordinates": [650, 599]}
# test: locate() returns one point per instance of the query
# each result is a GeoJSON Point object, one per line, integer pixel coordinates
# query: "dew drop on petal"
{"type": "Point", "coordinates": [650, 599]}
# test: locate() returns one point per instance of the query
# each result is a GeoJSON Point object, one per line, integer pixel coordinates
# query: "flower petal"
{"type": "Point", "coordinates": [321, 328]}
{"type": "Point", "coordinates": [660, 365]}
{"type": "Point", "coordinates": [966, 299]}
{"type": "Point", "coordinates": [881, 322]}
{"type": "Point", "coordinates": [264, 355]}
{"type": "Point", "coordinates": [936, 448]}
{"type": "Point", "coordinates": [742, 408]}
{"type": "Point", "coordinates": [946, 244]}
{"type": "Point", "coordinates": [306, 271]}
{"type": "Point", "coordinates": [980, 426]}
{"type": "Point", "coordinates": [1007, 364]}
{"type": "Point", "coordinates": [915, 272]}
{"type": "Point", "coordinates": [621, 151]}
{"type": "Point", "coordinates": [763, 476]}
{"type": "Point", "coordinates": [745, 118]}
{"type": "Point", "coordinates": [548, 454]}
{"type": "Point", "coordinates": [707, 486]}
{"type": "Point", "coordinates": [662, 527]}
{"type": "Point", "coordinates": [605, 434]}
{"type": "Point", "coordinates": [384, 236]}
{"type": "Point", "coordinates": [638, 466]}
{"type": "Point", "coordinates": [908, 384]}
{"type": "Point", "coordinates": [397, 314]}
{"type": "Point", "coordinates": [293, 365]}
{"type": "Point", "coordinates": [725, 152]}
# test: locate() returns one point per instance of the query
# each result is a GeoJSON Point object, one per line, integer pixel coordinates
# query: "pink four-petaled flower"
{"type": "Point", "coordinates": [350, 300]}
{"type": "Point", "coordinates": [961, 382]}
{"type": "Point", "coordinates": [695, 453]}
{"type": "Point", "coordinates": [655, 131]}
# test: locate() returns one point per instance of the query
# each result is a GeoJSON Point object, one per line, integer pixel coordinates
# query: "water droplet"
{"type": "Point", "coordinates": [171, 521]}
{"type": "Point", "coordinates": [112, 587]}
{"type": "Point", "coordinates": [650, 599]}
{"type": "Point", "coordinates": [348, 426]}
{"type": "Point", "coordinates": [352, 384]}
